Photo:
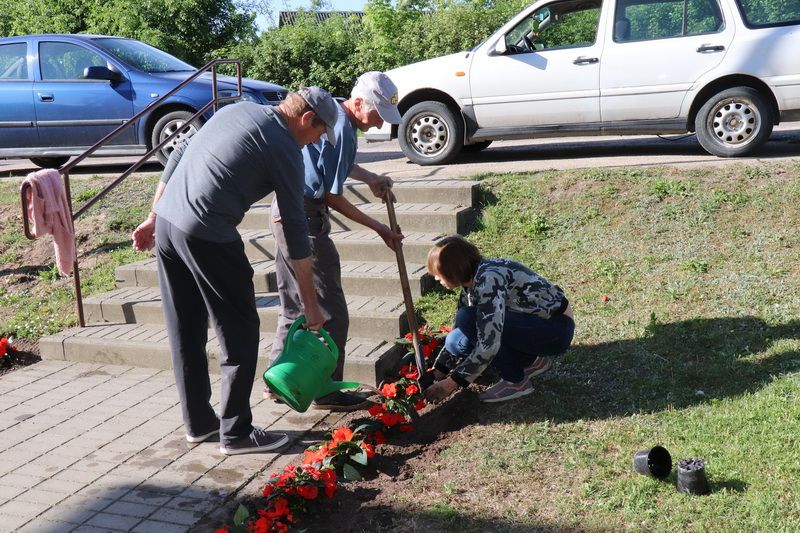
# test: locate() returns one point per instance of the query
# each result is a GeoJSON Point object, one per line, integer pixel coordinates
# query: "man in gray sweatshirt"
{"type": "Point", "coordinates": [244, 152]}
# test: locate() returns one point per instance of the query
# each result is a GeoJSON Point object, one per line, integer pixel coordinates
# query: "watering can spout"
{"type": "Point", "coordinates": [302, 372]}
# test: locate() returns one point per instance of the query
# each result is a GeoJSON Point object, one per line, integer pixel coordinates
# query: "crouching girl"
{"type": "Point", "coordinates": [508, 317]}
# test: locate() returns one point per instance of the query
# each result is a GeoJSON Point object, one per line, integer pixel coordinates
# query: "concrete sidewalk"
{"type": "Point", "coordinates": [90, 448]}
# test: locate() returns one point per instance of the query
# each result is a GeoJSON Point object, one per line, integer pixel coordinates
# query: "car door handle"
{"type": "Point", "coordinates": [45, 97]}
{"type": "Point", "coordinates": [710, 48]}
{"type": "Point", "coordinates": [585, 60]}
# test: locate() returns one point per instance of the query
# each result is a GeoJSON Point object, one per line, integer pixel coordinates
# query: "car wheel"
{"type": "Point", "coordinates": [474, 148]}
{"type": "Point", "coordinates": [166, 126]}
{"type": "Point", "coordinates": [49, 162]}
{"type": "Point", "coordinates": [734, 122]}
{"type": "Point", "coordinates": [431, 134]}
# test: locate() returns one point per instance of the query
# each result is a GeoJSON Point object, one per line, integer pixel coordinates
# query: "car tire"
{"type": "Point", "coordinates": [431, 134]}
{"type": "Point", "coordinates": [734, 122]}
{"type": "Point", "coordinates": [165, 126]}
{"type": "Point", "coordinates": [474, 148]}
{"type": "Point", "coordinates": [49, 162]}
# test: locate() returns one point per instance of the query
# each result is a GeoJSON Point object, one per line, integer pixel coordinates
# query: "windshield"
{"type": "Point", "coordinates": [142, 56]}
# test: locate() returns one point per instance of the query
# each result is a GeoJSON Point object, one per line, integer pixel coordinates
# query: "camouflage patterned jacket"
{"type": "Point", "coordinates": [500, 285]}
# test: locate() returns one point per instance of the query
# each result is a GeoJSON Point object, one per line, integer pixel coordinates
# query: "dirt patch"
{"type": "Point", "coordinates": [25, 353]}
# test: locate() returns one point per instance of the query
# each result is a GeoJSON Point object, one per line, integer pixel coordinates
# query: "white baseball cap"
{"type": "Point", "coordinates": [324, 106]}
{"type": "Point", "coordinates": [378, 88]}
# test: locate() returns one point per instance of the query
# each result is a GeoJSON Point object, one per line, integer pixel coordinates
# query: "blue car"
{"type": "Point", "coordinates": [60, 94]}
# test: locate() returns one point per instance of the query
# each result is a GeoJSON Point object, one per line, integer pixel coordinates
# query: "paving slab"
{"type": "Point", "coordinates": [145, 478]}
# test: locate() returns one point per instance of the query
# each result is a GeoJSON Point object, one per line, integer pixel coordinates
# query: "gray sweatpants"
{"type": "Point", "coordinates": [327, 280]}
{"type": "Point", "coordinates": [199, 278]}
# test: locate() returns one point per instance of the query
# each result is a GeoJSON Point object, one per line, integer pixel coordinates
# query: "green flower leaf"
{"type": "Point", "coordinates": [360, 458]}
{"type": "Point", "coordinates": [242, 515]}
{"type": "Point", "coordinates": [350, 473]}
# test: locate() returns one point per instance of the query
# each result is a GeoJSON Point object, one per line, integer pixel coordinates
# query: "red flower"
{"type": "Point", "coordinates": [268, 490]}
{"type": "Point", "coordinates": [420, 405]}
{"type": "Point", "coordinates": [389, 390]}
{"type": "Point", "coordinates": [369, 449]}
{"type": "Point", "coordinates": [411, 390]}
{"type": "Point", "coordinates": [342, 434]}
{"type": "Point", "coordinates": [445, 329]}
{"type": "Point", "coordinates": [328, 477]}
{"type": "Point", "coordinates": [605, 298]}
{"type": "Point", "coordinates": [379, 437]}
{"type": "Point", "coordinates": [279, 509]}
{"type": "Point", "coordinates": [3, 346]}
{"type": "Point", "coordinates": [223, 529]}
{"type": "Point", "coordinates": [309, 492]}
{"type": "Point", "coordinates": [412, 373]}
{"type": "Point", "coordinates": [406, 428]}
{"type": "Point", "coordinates": [408, 336]}
{"type": "Point", "coordinates": [315, 456]}
{"type": "Point", "coordinates": [376, 409]}
{"type": "Point", "coordinates": [262, 525]}
{"type": "Point", "coordinates": [427, 350]}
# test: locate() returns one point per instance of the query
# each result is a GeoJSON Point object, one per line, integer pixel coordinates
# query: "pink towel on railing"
{"type": "Point", "coordinates": [50, 213]}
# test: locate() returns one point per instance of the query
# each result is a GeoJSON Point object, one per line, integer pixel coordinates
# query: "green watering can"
{"type": "Point", "coordinates": [303, 371]}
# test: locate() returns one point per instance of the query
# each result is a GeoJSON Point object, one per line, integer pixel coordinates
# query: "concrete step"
{"type": "Point", "coordinates": [430, 217]}
{"type": "Point", "coordinates": [363, 245]}
{"type": "Point", "coordinates": [381, 318]}
{"type": "Point", "coordinates": [365, 278]}
{"type": "Point", "coordinates": [145, 345]}
{"type": "Point", "coordinates": [452, 191]}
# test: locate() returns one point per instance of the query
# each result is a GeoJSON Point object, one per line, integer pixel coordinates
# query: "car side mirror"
{"type": "Point", "coordinates": [102, 73]}
{"type": "Point", "coordinates": [499, 48]}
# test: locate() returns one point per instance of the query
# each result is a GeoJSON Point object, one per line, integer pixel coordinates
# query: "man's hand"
{"type": "Point", "coordinates": [440, 390]}
{"type": "Point", "coordinates": [389, 237]}
{"type": "Point", "coordinates": [380, 185]}
{"type": "Point", "coordinates": [144, 236]}
{"type": "Point", "coordinates": [314, 318]}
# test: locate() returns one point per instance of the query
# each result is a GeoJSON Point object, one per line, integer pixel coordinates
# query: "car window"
{"type": "Point", "coordinates": [66, 61]}
{"type": "Point", "coordinates": [142, 56]}
{"type": "Point", "coordinates": [759, 13]}
{"type": "Point", "coordinates": [560, 25]}
{"type": "Point", "coordinates": [645, 20]}
{"type": "Point", "coordinates": [14, 61]}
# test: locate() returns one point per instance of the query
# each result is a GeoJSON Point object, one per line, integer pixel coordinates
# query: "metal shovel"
{"type": "Point", "coordinates": [389, 200]}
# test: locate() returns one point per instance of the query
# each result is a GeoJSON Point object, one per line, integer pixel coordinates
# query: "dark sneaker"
{"type": "Point", "coordinates": [201, 438]}
{"type": "Point", "coordinates": [504, 390]}
{"type": "Point", "coordinates": [540, 365]}
{"type": "Point", "coordinates": [258, 441]}
{"type": "Point", "coordinates": [342, 402]}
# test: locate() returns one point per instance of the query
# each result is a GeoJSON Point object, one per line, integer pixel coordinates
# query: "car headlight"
{"type": "Point", "coordinates": [246, 97]}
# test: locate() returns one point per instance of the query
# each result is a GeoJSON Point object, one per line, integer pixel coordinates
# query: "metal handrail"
{"type": "Point", "coordinates": [215, 101]}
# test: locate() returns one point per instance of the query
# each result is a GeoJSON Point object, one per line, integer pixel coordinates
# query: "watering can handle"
{"type": "Point", "coordinates": [324, 334]}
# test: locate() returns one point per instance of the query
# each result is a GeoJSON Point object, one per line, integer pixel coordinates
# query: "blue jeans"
{"type": "Point", "coordinates": [525, 337]}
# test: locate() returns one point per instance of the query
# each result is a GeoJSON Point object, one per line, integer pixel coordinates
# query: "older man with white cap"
{"type": "Point", "coordinates": [372, 101]}
{"type": "Point", "coordinates": [244, 152]}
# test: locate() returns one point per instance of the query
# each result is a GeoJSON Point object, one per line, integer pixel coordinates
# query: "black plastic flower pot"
{"type": "Point", "coordinates": [655, 462]}
{"type": "Point", "coordinates": [692, 477]}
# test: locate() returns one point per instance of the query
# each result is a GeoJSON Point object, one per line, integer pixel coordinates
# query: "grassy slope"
{"type": "Point", "coordinates": [695, 348]}
{"type": "Point", "coordinates": [34, 300]}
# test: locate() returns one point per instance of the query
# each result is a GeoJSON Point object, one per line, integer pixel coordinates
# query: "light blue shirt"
{"type": "Point", "coordinates": [327, 166]}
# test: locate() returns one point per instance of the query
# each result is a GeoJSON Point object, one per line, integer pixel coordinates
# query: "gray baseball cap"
{"type": "Point", "coordinates": [382, 92]}
{"type": "Point", "coordinates": [324, 106]}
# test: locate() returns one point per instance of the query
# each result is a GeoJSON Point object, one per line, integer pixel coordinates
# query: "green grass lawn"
{"type": "Point", "coordinates": [34, 300]}
{"type": "Point", "coordinates": [686, 292]}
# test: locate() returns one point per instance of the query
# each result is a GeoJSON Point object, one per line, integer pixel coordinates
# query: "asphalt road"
{"type": "Point", "coordinates": [515, 156]}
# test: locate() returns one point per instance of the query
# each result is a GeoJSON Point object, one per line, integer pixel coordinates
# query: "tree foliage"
{"type": "Point", "coordinates": [188, 29]}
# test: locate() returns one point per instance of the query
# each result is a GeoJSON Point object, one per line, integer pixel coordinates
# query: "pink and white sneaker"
{"type": "Point", "coordinates": [505, 390]}
{"type": "Point", "coordinates": [540, 365]}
